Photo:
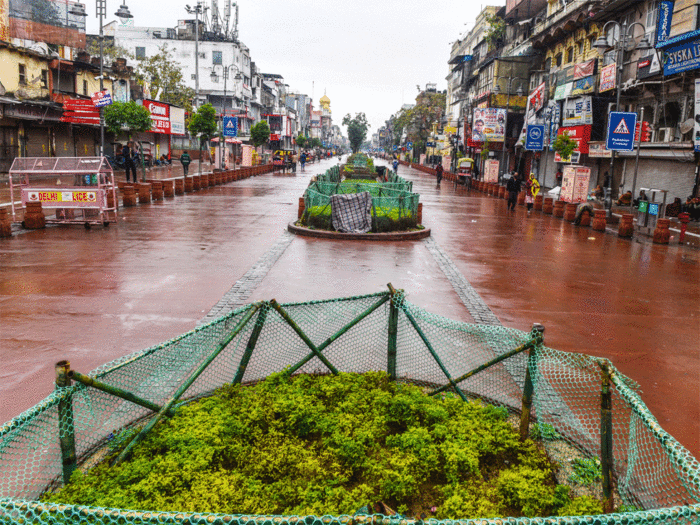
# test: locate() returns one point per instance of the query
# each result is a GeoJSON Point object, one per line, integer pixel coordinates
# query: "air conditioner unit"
{"type": "Point", "coordinates": [665, 135]}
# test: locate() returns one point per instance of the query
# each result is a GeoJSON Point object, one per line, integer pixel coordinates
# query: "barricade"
{"type": "Point", "coordinates": [570, 211]}
{"type": "Point", "coordinates": [5, 224]}
{"type": "Point", "coordinates": [34, 217]}
{"type": "Point", "coordinates": [599, 221]}
{"type": "Point", "coordinates": [626, 228]}
{"type": "Point", "coordinates": [559, 209]}
{"type": "Point", "coordinates": [662, 234]}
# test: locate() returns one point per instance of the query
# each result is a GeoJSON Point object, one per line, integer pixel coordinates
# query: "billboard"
{"type": "Point", "coordinates": [489, 124]}
{"type": "Point", "coordinates": [160, 116]}
{"type": "Point", "coordinates": [47, 21]}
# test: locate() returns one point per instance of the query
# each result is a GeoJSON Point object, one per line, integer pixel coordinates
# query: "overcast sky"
{"type": "Point", "coordinates": [366, 55]}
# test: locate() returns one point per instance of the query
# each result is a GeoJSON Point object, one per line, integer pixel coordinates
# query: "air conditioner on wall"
{"type": "Point", "coordinates": [665, 135]}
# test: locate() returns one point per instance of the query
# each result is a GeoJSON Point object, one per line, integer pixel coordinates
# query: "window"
{"type": "Point", "coordinates": [548, 64]}
{"type": "Point", "coordinates": [85, 87]}
{"type": "Point", "coordinates": [194, 77]}
{"type": "Point", "coordinates": [45, 78]}
{"type": "Point", "coordinates": [579, 48]}
{"type": "Point", "coordinates": [651, 20]}
{"type": "Point", "coordinates": [557, 60]}
{"type": "Point", "coordinates": [140, 53]}
{"type": "Point", "coordinates": [217, 58]}
{"type": "Point", "coordinates": [22, 74]}
{"type": "Point", "coordinates": [570, 55]}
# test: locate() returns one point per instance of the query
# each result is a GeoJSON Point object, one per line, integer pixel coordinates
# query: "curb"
{"type": "Point", "coordinates": [339, 236]}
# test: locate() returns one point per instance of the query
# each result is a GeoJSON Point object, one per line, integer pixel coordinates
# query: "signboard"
{"type": "Point", "coordinates": [621, 131]}
{"type": "Point", "coordinates": [534, 139]}
{"type": "Point", "coordinates": [160, 116]}
{"type": "Point", "coordinates": [583, 86]}
{"type": "Point", "coordinates": [607, 78]}
{"type": "Point", "coordinates": [563, 91]}
{"type": "Point", "coordinates": [584, 69]}
{"type": "Point", "coordinates": [648, 66]}
{"type": "Point", "coordinates": [554, 124]}
{"type": "Point", "coordinates": [177, 120]}
{"type": "Point", "coordinates": [696, 135]}
{"type": "Point", "coordinates": [247, 156]}
{"type": "Point", "coordinates": [230, 126]}
{"type": "Point", "coordinates": [683, 57]}
{"type": "Point", "coordinates": [536, 98]}
{"type": "Point", "coordinates": [581, 135]}
{"type": "Point", "coordinates": [274, 137]}
{"type": "Point", "coordinates": [574, 158]}
{"type": "Point", "coordinates": [491, 170]}
{"type": "Point", "coordinates": [489, 124]}
{"type": "Point", "coordinates": [52, 198]}
{"type": "Point", "coordinates": [663, 28]}
{"type": "Point", "coordinates": [101, 99]}
{"type": "Point", "coordinates": [596, 150]}
{"type": "Point", "coordinates": [449, 129]}
{"type": "Point", "coordinates": [574, 184]}
{"type": "Point", "coordinates": [409, 146]}
{"type": "Point", "coordinates": [578, 111]}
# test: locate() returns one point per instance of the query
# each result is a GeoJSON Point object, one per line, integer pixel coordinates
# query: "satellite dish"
{"type": "Point", "coordinates": [687, 125]}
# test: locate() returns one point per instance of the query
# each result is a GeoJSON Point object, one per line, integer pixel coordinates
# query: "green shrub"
{"type": "Point", "coordinates": [586, 471]}
{"type": "Point", "coordinates": [330, 445]}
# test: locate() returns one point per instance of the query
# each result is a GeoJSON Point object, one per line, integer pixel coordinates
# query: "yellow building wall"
{"type": "Point", "coordinates": [582, 36]}
{"type": "Point", "coordinates": [10, 59]}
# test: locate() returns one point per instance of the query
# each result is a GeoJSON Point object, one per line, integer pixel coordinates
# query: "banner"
{"type": "Point", "coordinates": [578, 111]}
{"type": "Point", "coordinates": [581, 135]}
{"type": "Point", "coordinates": [583, 86]}
{"type": "Point", "coordinates": [584, 69]}
{"type": "Point", "coordinates": [489, 124]}
{"type": "Point", "coordinates": [491, 171]}
{"type": "Point", "coordinates": [696, 135]}
{"type": "Point", "coordinates": [177, 120]}
{"type": "Point", "coordinates": [160, 116]}
{"type": "Point", "coordinates": [607, 78]}
{"type": "Point", "coordinates": [663, 29]}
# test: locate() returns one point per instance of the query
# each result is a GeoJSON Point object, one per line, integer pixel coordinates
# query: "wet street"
{"type": "Point", "coordinates": [90, 296]}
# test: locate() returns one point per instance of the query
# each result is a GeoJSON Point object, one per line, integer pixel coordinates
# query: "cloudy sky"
{"type": "Point", "coordinates": [366, 55]}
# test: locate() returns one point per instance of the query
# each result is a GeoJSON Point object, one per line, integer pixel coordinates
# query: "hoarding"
{"type": "Point", "coordinates": [489, 124]}
{"type": "Point", "coordinates": [160, 116]}
{"type": "Point", "coordinates": [491, 170]}
{"type": "Point", "coordinates": [574, 184]}
{"type": "Point", "coordinates": [607, 78]}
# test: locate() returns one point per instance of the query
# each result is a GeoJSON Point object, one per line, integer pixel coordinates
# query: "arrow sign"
{"type": "Point", "coordinates": [621, 126]}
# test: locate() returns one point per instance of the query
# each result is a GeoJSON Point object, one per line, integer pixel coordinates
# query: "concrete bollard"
{"type": "Point", "coordinates": [559, 209]}
{"type": "Point", "coordinates": [419, 216]}
{"type": "Point", "coordinates": [196, 182]}
{"type": "Point", "coordinates": [301, 208]}
{"type": "Point", "coordinates": [34, 217]}
{"type": "Point", "coordinates": [521, 198]}
{"type": "Point", "coordinates": [5, 224]}
{"type": "Point", "coordinates": [502, 192]}
{"type": "Point", "coordinates": [662, 234]}
{"type": "Point", "coordinates": [548, 205]}
{"type": "Point", "coordinates": [157, 190]}
{"type": "Point", "coordinates": [599, 221]}
{"type": "Point", "coordinates": [570, 212]}
{"type": "Point", "coordinates": [144, 193]}
{"type": "Point", "coordinates": [538, 202]}
{"type": "Point", "coordinates": [626, 228]}
{"type": "Point", "coordinates": [185, 186]}
{"type": "Point", "coordinates": [128, 196]}
{"type": "Point", "coordinates": [168, 189]}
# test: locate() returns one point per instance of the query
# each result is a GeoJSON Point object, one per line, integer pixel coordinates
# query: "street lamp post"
{"type": "Point", "coordinates": [214, 77]}
{"type": "Point", "coordinates": [123, 14]}
{"type": "Point", "coordinates": [625, 42]}
{"type": "Point", "coordinates": [196, 10]}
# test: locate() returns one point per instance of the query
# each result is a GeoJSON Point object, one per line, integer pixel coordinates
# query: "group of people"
{"type": "Point", "coordinates": [691, 205]}
{"type": "Point", "coordinates": [514, 186]}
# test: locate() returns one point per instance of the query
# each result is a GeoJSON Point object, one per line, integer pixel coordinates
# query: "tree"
{"type": "Point", "coordinates": [110, 51]}
{"type": "Point", "coordinates": [564, 145]}
{"type": "Point", "coordinates": [357, 130]}
{"type": "Point", "coordinates": [203, 125]}
{"type": "Point", "coordinates": [161, 74]}
{"type": "Point", "coordinates": [417, 122]}
{"type": "Point", "coordinates": [260, 133]}
{"type": "Point", "coordinates": [496, 30]}
{"type": "Point", "coordinates": [301, 141]}
{"type": "Point", "coordinates": [316, 142]}
{"type": "Point", "coordinates": [128, 116]}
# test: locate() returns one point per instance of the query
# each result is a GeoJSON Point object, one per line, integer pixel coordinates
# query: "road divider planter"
{"type": "Point", "coordinates": [599, 221]}
{"type": "Point", "coordinates": [128, 195]}
{"type": "Point", "coordinates": [662, 234]}
{"type": "Point", "coordinates": [570, 211]}
{"type": "Point", "coordinates": [559, 209]}
{"type": "Point", "coordinates": [548, 205]}
{"type": "Point", "coordinates": [34, 217]}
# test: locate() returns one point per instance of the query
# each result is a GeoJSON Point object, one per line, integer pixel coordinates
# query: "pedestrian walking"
{"type": "Point", "coordinates": [186, 160]}
{"type": "Point", "coordinates": [395, 165]}
{"type": "Point", "coordinates": [559, 176]}
{"type": "Point", "coordinates": [129, 160]}
{"type": "Point", "coordinates": [513, 187]}
{"type": "Point", "coordinates": [438, 171]}
{"type": "Point", "coordinates": [533, 188]}
{"type": "Point", "coordinates": [302, 160]}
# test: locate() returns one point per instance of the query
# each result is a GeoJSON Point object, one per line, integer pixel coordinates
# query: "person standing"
{"type": "Point", "coordinates": [513, 187]}
{"type": "Point", "coordinates": [302, 160]}
{"type": "Point", "coordinates": [186, 160]}
{"type": "Point", "coordinates": [438, 171]}
{"type": "Point", "coordinates": [533, 188]}
{"type": "Point", "coordinates": [395, 165]}
{"type": "Point", "coordinates": [559, 176]}
{"type": "Point", "coordinates": [129, 163]}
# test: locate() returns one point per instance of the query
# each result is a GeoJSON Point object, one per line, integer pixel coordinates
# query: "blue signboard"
{"type": "Point", "coordinates": [534, 139]}
{"type": "Point", "coordinates": [230, 126]}
{"type": "Point", "coordinates": [621, 127]}
{"type": "Point", "coordinates": [653, 208]}
{"type": "Point", "coordinates": [663, 29]}
{"type": "Point", "coordinates": [409, 146]}
{"type": "Point", "coordinates": [683, 57]}
{"type": "Point", "coordinates": [395, 147]}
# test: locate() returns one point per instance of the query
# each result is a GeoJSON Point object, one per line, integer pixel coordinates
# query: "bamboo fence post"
{"type": "Point", "coordinates": [66, 429]}
{"type": "Point", "coordinates": [393, 334]}
{"type": "Point", "coordinates": [606, 444]}
{"type": "Point", "coordinates": [538, 334]}
{"type": "Point", "coordinates": [259, 324]}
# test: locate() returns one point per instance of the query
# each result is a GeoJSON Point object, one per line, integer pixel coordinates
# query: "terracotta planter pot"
{"type": "Point", "coordinates": [144, 193]}
{"type": "Point", "coordinates": [559, 209]}
{"type": "Point", "coordinates": [169, 188]}
{"type": "Point", "coordinates": [570, 212]}
{"type": "Point", "coordinates": [187, 185]}
{"type": "Point", "coordinates": [419, 215]}
{"type": "Point", "coordinates": [548, 205]}
{"type": "Point", "coordinates": [157, 190]}
{"type": "Point", "coordinates": [196, 182]}
{"type": "Point", "coordinates": [599, 221]}
{"type": "Point", "coordinates": [585, 219]}
{"type": "Point", "coordinates": [34, 217]}
{"type": "Point", "coordinates": [128, 196]}
{"type": "Point", "coordinates": [662, 234]}
{"type": "Point", "coordinates": [538, 202]}
{"type": "Point", "coordinates": [626, 228]}
{"type": "Point", "coordinates": [302, 207]}
{"type": "Point", "coordinates": [521, 198]}
{"type": "Point", "coordinates": [5, 224]}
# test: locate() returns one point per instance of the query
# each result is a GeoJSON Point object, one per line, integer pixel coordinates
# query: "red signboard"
{"type": "Point", "coordinates": [274, 136]}
{"type": "Point", "coordinates": [579, 134]}
{"type": "Point", "coordinates": [160, 116]}
{"type": "Point", "coordinates": [80, 111]}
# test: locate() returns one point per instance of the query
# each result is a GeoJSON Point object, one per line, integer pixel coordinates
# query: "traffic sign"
{"type": "Point", "coordinates": [395, 147]}
{"type": "Point", "coordinates": [621, 126]}
{"type": "Point", "coordinates": [409, 146]}
{"type": "Point", "coordinates": [101, 99]}
{"type": "Point", "coordinates": [534, 139]}
{"type": "Point", "coordinates": [230, 126]}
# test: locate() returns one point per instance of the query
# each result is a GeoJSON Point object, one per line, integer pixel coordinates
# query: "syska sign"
{"type": "Point", "coordinates": [682, 58]}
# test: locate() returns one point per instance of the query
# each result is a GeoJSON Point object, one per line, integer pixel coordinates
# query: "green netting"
{"type": "Point", "coordinates": [383, 331]}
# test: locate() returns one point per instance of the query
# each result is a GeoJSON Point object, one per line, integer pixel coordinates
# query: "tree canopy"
{"type": "Point", "coordinates": [127, 115]}
{"type": "Point", "coordinates": [357, 130]}
{"type": "Point", "coordinates": [203, 123]}
{"type": "Point", "coordinates": [161, 74]}
{"type": "Point", "coordinates": [417, 122]}
{"type": "Point", "coordinates": [301, 141]}
{"type": "Point", "coordinates": [260, 133]}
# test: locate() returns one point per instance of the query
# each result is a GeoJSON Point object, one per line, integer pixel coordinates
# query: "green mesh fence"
{"type": "Point", "coordinates": [651, 471]}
